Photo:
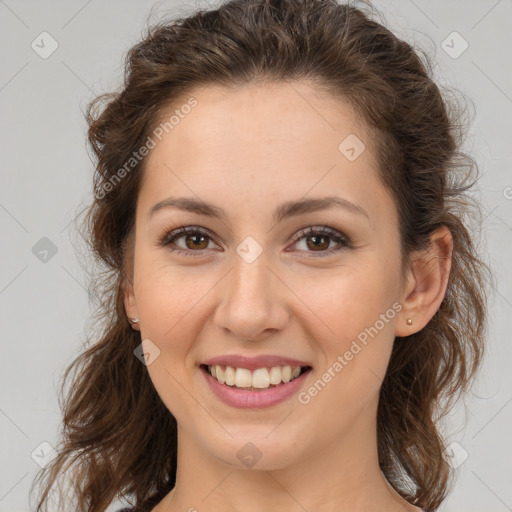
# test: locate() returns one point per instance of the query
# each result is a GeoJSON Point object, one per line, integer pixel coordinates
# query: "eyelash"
{"type": "Point", "coordinates": [174, 235]}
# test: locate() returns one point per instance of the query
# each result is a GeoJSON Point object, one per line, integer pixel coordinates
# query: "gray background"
{"type": "Point", "coordinates": [46, 177]}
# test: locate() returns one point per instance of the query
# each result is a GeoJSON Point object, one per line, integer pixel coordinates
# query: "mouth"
{"type": "Point", "coordinates": [258, 379]}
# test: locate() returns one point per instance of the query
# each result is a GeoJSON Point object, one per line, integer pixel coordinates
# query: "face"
{"type": "Point", "coordinates": [319, 286]}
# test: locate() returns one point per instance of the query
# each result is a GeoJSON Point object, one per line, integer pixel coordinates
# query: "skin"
{"type": "Point", "coordinates": [248, 151]}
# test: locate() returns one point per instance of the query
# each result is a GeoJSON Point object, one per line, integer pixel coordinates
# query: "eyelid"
{"type": "Point", "coordinates": [315, 229]}
{"type": "Point", "coordinates": [175, 233]}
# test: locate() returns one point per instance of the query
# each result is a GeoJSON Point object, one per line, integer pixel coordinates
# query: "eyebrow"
{"type": "Point", "coordinates": [283, 211]}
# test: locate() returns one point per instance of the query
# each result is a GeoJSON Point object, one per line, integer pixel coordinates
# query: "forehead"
{"type": "Point", "coordinates": [275, 140]}
{"type": "Point", "coordinates": [288, 111]}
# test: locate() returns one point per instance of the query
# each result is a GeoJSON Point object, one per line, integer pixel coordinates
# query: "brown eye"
{"type": "Point", "coordinates": [318, 240]}
{"type": "Point", "coordinates": [195, 241]}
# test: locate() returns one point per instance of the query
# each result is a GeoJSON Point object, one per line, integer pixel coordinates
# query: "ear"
{"type": "Point", "coordinates": [130, 306]}
{"type": "Point", "coordinates": [426, 284]}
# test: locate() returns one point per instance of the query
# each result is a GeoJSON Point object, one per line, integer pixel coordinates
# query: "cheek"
{"type": "Point", "coordinates": [168, 297]}
{"type": "Point", "coordinates": [345, 303]}
{"type": "Point", "coordinates": [358, 313]}
{"type": "Point", "coordinates": [169, 305]}
{"type": "Point", "coordinates": [355, 324]}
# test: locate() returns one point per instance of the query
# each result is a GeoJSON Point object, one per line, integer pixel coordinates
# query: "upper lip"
{"type": "Point", "coordinates": [252, 363]}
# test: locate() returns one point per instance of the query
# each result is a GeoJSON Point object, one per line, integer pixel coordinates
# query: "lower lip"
{"type": "Point", "coordinates": [246, 399]}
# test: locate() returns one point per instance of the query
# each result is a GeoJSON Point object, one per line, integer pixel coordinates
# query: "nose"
{"type": "Point", "coordinates": [252, 300]}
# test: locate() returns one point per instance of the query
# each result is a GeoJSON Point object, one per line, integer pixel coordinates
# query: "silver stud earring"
{"type": "Point", "coordinates": [134, 320]}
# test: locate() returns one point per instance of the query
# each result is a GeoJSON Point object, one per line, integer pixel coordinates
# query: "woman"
{"type": "Point", "coordinates": [292, 299]}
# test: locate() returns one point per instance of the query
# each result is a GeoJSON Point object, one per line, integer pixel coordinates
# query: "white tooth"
{"type": "Point", "coordinates": [243, 378]}
{"type": "Point", "coordinates": [260, 378]}
{"type": "Point", "coordinates": [286, 373]}
{"type": "Point", "coordinates": [220, 374]}
{"type": "Point", "coordinates": [212, 371]}
{"type": "Point", "coordinates": [275, 375]}
{"type": "Point", "coordinates": [229, 375]}
{"type": "Point", "coordinates": [295, 372]}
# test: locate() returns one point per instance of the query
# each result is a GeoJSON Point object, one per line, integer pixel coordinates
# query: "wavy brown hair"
{"type": "Point", "coordinates": [118, 438]}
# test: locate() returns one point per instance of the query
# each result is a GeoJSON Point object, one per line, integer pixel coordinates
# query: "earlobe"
{"type": "Point", "coordinates": [427, 283]}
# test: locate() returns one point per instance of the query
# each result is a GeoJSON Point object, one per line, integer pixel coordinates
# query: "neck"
{"type": "Point", "coordinates": [338, 475]}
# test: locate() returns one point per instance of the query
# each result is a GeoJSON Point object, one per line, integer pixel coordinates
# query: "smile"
{"type": "Point", "coordinates": [244, 391]}
{"type": "Point", "coordinates": [258, 379]}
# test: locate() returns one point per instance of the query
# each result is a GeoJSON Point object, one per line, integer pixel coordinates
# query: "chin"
{"type": "Point", "coordinates": [257, 450]}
